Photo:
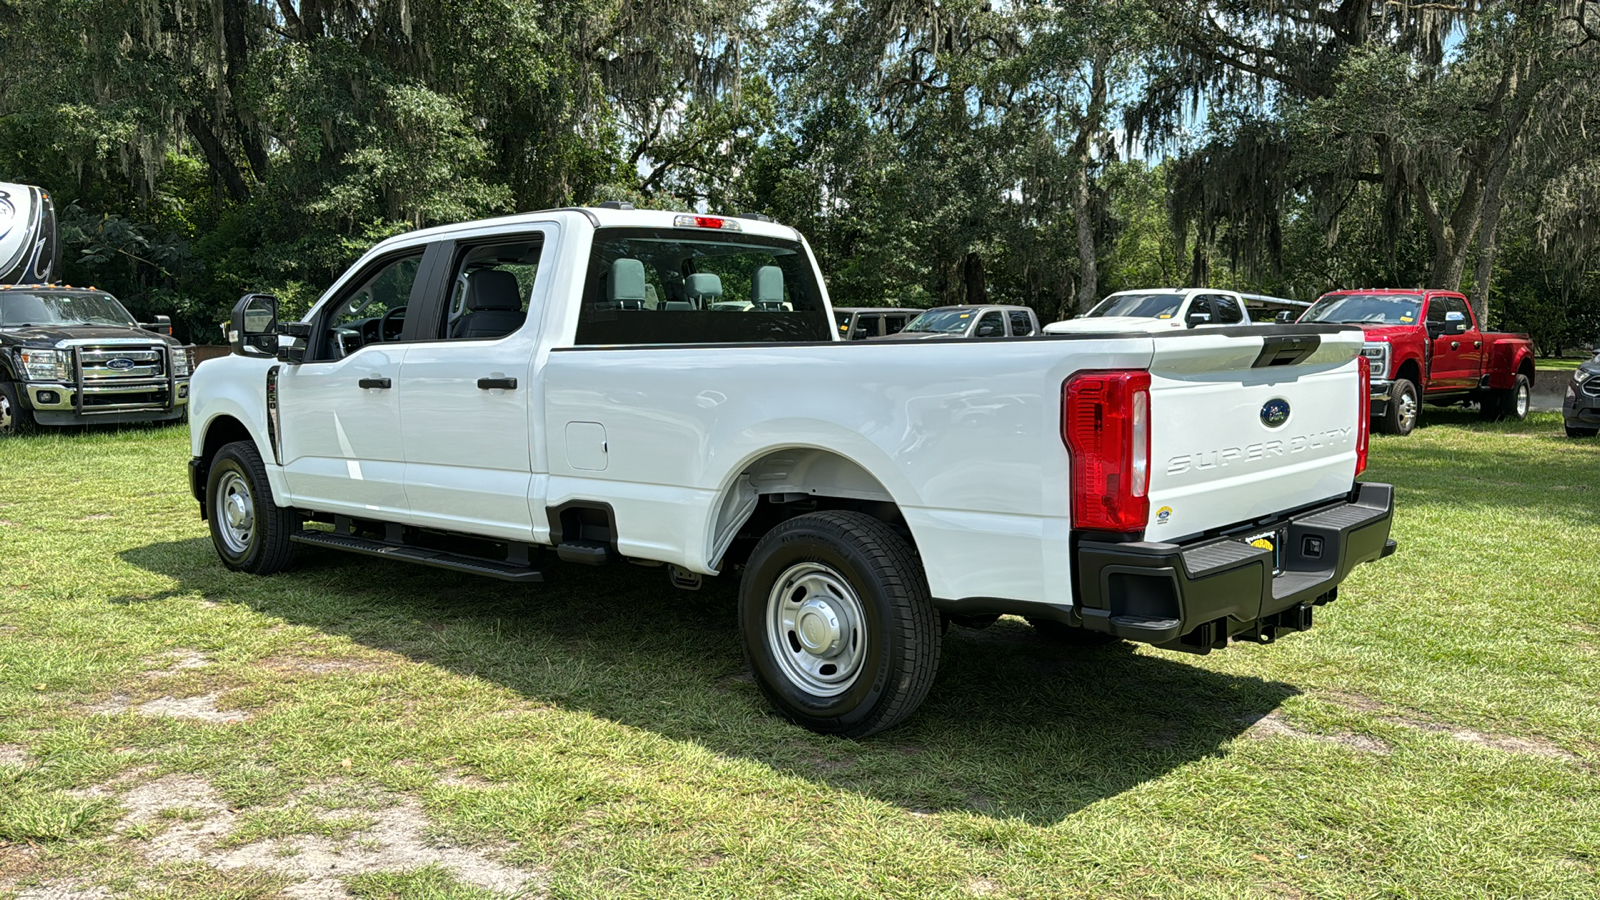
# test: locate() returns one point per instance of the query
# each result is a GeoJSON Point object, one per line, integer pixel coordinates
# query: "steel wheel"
{"type": "Point", "coordinates": [7, 417]}
{"type": "Point", "coordinates": [1522, 399]}
{"type": "Point", "coordinates": [235, 512]}
{"type": "Point", "coordinates": [815, 629]}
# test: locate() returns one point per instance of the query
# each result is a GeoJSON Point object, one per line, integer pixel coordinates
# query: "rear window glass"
{"type": "Point", "coordinates": [679, 286]}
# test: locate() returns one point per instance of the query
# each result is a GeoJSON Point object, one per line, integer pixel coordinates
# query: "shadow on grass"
{"type": "Point", "coordinates": [1015, 726]}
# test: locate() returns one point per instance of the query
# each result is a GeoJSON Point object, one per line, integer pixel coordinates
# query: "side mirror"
{"type": "Point", "coordinates": [1284, 317]}
{"type": "Point", "coordinates": [1455, 322]}
{"type": "Point", "coordinates": [1197, 318]}
{"type": "Point", "coordinates": [987, 331]}
{"type": "Point", "coordinates": [162, 325]}
{"type": "Point", "coordinates": [253, 327]}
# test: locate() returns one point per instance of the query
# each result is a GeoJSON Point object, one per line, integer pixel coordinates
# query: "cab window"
{"type": "Point", "coordinates": [1021, 324]}
{"type": "Point", "coordinates": [866, 326]}
{"type": "Point", "coordinates": [991, 325]}
{"type": "Point", "coordinates": [372, 312]}
{"type": "Point", "coordinates": [1227, 309]}
{"type": "Point", "coordinates": [491, 287]}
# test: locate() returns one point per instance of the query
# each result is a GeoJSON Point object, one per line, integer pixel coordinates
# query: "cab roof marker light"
{"type": "Point", "coordinates": [705, 222]}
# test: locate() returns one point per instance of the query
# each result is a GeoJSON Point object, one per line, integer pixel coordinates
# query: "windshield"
{"type": "Point", "coordinates": [940, 321]}
{"type": "Point", "coordinates": [1366, 309]}
{"type": "Point", "coordinates": [21, 308]}
{"type": "Point", "coordinates": [1143, 306]}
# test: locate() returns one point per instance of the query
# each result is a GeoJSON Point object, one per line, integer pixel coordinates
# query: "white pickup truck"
{"type": "Point", "coordinates": [1170, 309]}
{"type": "Point", "coordinates": [480, 396]}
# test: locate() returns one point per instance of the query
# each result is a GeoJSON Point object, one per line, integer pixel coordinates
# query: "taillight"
{"type": "Point", "coordinates": [1105, 423]}
{"type": "Point", "coordinates": [1364, 413]}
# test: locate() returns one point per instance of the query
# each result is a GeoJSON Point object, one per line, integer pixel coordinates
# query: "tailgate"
{"type": "Point", "coordinates": [1248, 423]}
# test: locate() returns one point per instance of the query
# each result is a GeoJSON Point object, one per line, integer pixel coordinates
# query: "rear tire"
{"type": "Point", "coordinates": [1405, 407]}
{"type": "Point", "coordinates": [838, 623]}
{"type": "Point", "coordinates": [14, 419]}
{"type": "Point", "coordinates": [248, 528]}
{"type": "Point", "coordinates": [1510, 404]}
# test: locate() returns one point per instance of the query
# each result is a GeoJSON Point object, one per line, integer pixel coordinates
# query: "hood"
{"type": "Point", "coordinates": [918, 336]}
{"type": "Point", "coordinates": [53, 334]}
{"type": "Point", "coordinates": [1113, 325]}
{"type": "Point", "coordinates": [1378, 332]}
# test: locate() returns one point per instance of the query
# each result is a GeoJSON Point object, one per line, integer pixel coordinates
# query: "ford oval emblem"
{"type": "Point", "coordinates": [1275, 413]}
{"type": "Point", "coordinates": [121, 362]}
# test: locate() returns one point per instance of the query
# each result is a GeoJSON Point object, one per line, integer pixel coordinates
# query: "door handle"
{"type": "Point", "coordinates": [1455, 345]}
{"type": "Point", "coordinates": [497, 384]}
{"type": "Point", "coordinates": [1477, 345]}
{"type": "Point", "coordinates": [374, 383]}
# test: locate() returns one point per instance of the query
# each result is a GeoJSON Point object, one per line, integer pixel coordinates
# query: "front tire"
{"type": "Point", "coordinates": [1405, 405]}
{"type": "Point", "coordinates": [14, 418]}
{"type": "Point", "coordinates": [838, 624]}
{"type": "Point", "coordinates": [248, 528]}
{"type": "Point", "coordinates": [1512, 404]}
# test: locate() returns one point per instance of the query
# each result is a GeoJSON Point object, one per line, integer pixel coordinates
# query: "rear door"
{"type": "Point", "coordinates": [1248, 425]}
{"type": "Point", "coordinates": [465, 390]}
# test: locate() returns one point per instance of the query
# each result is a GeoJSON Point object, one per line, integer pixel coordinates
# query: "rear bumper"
{"type": "Point", "coordinates": [1196, 596]}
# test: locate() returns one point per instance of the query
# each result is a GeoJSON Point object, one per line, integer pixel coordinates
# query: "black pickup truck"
{"type": "Point", "coordinates": [71, 356]}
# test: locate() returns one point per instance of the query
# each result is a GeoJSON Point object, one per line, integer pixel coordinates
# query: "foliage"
{"type": "Point", "coordinates": [932, 152]}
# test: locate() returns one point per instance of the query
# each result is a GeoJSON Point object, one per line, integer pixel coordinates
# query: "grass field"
{"type": "Point", "coordinates": [1562, 364]}
{"type": "Point", "coordinates": [170, 729]}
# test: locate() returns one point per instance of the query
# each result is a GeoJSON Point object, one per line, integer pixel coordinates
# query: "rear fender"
{"type": "Point", "coordinates": [1507, 359]}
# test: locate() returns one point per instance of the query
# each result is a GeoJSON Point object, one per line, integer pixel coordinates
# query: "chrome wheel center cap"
{"type": "Point", "coordinates": [817, 627]}
{"type": "Point", "coordinates": [238, 514]}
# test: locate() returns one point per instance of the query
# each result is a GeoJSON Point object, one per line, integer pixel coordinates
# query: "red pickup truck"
{"type": "Point", "coordinates": [1425, 345]}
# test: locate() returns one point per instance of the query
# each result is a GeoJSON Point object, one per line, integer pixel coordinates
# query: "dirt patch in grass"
{"type": "Point", "coordinates": [175, 661]}
{"type": "Point", "coordinates": [202, 708]}
{"type": "Point", "coordinates": [64, 891]}
{"type": "Point", "coordinates": [1274, 725]}
{"type": "Point", "coordinates": [196, 824]}
{"type": "Point", "coordinates": [13, 755]}
{"type": "Point", "coordinates": [1534, 746]}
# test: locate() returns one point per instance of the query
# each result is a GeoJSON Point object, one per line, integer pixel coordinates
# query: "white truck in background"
{"type": "Point", "coordinates": [1174, 309]}
{"type": "Point", "coordinates": [482, 396]}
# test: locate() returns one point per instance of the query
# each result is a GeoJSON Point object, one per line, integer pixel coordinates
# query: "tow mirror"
{"type": "Point", "coordinates": [162, 325]}
{"type": "Point", "coordinates": [1284, 317]}
{"type": "Point", "coordinates": [253, 327]}
{"type": "Point", "coordinates": [1196, 318]}
{"type": "Point", "coordinates": [1455, 322]}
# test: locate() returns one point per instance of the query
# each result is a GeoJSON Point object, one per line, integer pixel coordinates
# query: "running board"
{"type": "Point", "coordinates": [438, 559]}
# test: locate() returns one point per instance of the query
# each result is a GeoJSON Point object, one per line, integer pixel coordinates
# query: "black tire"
{"type": "Point", "coordinates": [1061, 633]}
{"type": "Point", "coordinates": [1577, 431]}
{"type": "Point", "coordinates": [14, 418]}
{"type": "Point", "coordinates": [1508, 404]}
{"type": "Point", "coordinates": [894, 634]}
{"type": "Point", "coordinates": [260, 544]}
{"type": "Point", "coordinates": [1405, 408]}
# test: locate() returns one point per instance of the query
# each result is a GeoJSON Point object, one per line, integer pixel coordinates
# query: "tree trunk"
{"type": "Point", "coordinates": [1088, 132]}
{"type": "Point", "coordinates": [973, 279]}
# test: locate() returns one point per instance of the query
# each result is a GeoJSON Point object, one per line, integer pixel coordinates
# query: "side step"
{"type": "Point", "coordinates": [471, 565]}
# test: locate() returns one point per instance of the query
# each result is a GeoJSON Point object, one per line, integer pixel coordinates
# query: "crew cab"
{"type": "Point", "coordinates": [1169, 309]}
{"type": "Point", "coordinates": [1425, 345]}
{"type": "Point", "coordinates": [518, 400]}
{"type": "Point", "coordinates": [72, 356]}
{"type": "Point", "coordinates": [969, 322]}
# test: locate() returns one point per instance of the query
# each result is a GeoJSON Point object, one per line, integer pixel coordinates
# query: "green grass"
{"type": "Point", "coordinates": [1435, 734]}
{"type": "Point", "coordinates": [1563, 364]}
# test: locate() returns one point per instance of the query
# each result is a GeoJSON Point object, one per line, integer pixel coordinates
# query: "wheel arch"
{"type": "Point", "coordinates": [802, 479]}
{"type": "Point", "coordinates": [1410, 369]}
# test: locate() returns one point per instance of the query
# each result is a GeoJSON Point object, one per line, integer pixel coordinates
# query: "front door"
{"type": "Point", "coordinates": [1452, 366]}
{"type": "Point", "coordinates": [340, 419]}
{"type": "Point", "coordinates": [465, 391]}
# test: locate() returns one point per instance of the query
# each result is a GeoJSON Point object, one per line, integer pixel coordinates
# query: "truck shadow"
{"type": "Point", "coordinates": [1014, 727]}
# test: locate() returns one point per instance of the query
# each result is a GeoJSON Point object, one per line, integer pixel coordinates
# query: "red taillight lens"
{"type": "Point", "coordinates": [1364, 413]}
{"type": "Point", "coordinates": [1105, 423]}
{"type": "Point", "coordinates": [717, 222]}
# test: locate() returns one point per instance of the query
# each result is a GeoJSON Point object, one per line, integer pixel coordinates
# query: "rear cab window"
{"type": "Point", "coordinates": [1021, 323]}
{"type": "Point", "coordinates": [681, 286]}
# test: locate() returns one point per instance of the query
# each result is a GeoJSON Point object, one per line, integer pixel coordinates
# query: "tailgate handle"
{"type": "Point", "coordinates": [1285, 349]}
